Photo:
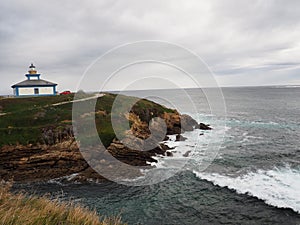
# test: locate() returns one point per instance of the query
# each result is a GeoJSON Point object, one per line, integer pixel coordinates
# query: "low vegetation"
{"type": "Point", "coordinates": [23, 120]}
{"type": "Point", "coordinates": [27, 210]}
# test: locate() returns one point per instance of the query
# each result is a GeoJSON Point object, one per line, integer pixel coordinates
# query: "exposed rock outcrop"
{"type": "Point", "coordinates": [31, 163]}
{"type": "Point", "coordinates": [188, 123]}
{"type": "Point", "coordinates": [177, 123]}
{"type": "Point", "coordinates": [173, 123]}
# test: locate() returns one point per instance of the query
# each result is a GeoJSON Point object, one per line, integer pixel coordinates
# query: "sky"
{"type": "Point", "coordinates": [244, 43]}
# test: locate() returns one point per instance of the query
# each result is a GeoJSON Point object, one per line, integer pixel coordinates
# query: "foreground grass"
{"type": "Point", "coordinates": [21, 209]}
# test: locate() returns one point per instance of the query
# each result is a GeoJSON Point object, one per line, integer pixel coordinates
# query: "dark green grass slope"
{"type": "Point", "coordinates": [26, 118]}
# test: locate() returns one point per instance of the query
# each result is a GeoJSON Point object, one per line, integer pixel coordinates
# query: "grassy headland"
{"type": "Point", "coordinates": [23, 120]}
{"type": "Point", "coordinates": [37, 140]}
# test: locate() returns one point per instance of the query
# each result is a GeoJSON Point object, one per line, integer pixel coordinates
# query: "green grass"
{"type": "Point", "coordinates": [20, 135]}
{"type": "Point", "coordinates": [21, 104]}
{"type": "Point", "coordinates": [26, 117]}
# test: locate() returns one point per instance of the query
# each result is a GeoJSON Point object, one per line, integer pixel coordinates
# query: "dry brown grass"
{"type": "Point", "coordinates": [28, 210]}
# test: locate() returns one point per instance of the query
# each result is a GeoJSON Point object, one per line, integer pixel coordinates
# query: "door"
{"type": "Point", "coordinates": [36, 91]}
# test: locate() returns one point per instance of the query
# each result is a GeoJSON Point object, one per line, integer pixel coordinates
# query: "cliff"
{"type": "Point", "coordinates": [37, 141]}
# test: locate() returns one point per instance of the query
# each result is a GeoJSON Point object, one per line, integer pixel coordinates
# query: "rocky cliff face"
{"type": "Point", "coordinates": [59, 155]}
{"type": "Point", "coordinates": [41, 162]}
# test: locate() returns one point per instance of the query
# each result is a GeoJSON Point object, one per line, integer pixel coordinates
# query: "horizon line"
{"type": "Point", "coordinates": [240, 86]}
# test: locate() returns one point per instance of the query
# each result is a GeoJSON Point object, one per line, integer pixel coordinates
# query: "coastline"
{"type": "Point", "coordinates": [58, 154]}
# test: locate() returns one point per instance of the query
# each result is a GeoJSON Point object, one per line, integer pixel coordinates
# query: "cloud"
{"type": "Point", "coordinates": [235, 38]}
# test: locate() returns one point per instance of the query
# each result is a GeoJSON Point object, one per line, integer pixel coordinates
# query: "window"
{"type": "Point", "coordinates": [36, 91]}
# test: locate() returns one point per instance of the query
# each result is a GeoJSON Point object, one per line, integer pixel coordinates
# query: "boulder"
{"type": "Point", "coordinates": [186, 154]}
{"type": "Point", "coordinates": [170, 154]}
{"type": "Point", "coordinates": [203, 126]}
{"type": "Point", "coordinates": [188, 123]}
{"type": "Point", "coordinates": [179, 137]}
{"type": "Point", "coordinates": [166, 138]}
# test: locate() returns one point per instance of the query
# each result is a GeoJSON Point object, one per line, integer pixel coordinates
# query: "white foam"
{"type": "Point", "coordinates": [249, 139]}
{"type": "Point", "coordinates": [61, 180]}
{"type": "Point", "coordinates": [277, 187]}
{"type": "Point", "coordinates": [264, 123]}
{"type": "Point", "coordinates": [198, 150]}
{"type": "Point", "coordinates": [252, 123]}
{"type": "Point", "coordinates": [288, 86]}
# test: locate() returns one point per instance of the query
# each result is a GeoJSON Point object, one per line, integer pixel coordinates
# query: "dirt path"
{"type": "Point", "coordinates": [80, 100]}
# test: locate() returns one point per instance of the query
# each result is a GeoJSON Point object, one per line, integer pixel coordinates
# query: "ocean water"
{"type": "Point", "coordinates": [252, 178]}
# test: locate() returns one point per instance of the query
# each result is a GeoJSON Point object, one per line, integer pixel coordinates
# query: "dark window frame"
{"type": "Point", "coordinates": [36, 91]}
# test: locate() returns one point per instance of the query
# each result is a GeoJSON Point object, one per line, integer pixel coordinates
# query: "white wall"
{"type": "Point", "coordinates": [26, 91]}
{"type": "Point", "coordinates": [30, 91]}
{"type": "Point", "coordinates": [46, 90]}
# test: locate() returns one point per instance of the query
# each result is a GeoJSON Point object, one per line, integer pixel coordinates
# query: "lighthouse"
{"type": "Point", "coordinates": [34, 85]}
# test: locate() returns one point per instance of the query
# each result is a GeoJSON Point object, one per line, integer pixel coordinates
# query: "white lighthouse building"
{"type": "Point", "coordinates": [34, 86]}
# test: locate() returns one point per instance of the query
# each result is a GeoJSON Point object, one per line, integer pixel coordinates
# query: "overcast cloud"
{"type": "Point", "coordinates": [253, 42]}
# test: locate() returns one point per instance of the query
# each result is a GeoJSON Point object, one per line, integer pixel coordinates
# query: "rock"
{"type": "Point", "coordinates": [36, 163]}
{"type": "Point", "coordinates": [53, 135]}
{"type": "Point", "coordinates": [203, 126]}
{"type": "Point", "coordinates": [166, 138]}
{"type": "Point", "coordinates": [173, 123]}
{"type": "Point", "coordinates": [133, 157]}
{"type": "Point", "coordinates": [138, 128]}
{"type": "Point", "coordinates": [165, 147]}
{"type": "Point", "coordinates": [177, 124]}
{"type": "Point", "coordinates": [41, 163]}
{"type": "Point", "coordinates": [158, 129]}
{"type": "Point", "coordinates": [179, 137]}
{"type": "Point", "coordinates": [186, 154]}
{"type": "Point", "coordinates": [175, 130]}
{"type": "Point", "coordinates": [188, 123]}
{"type": "Point", "coordinates": [170, 154]}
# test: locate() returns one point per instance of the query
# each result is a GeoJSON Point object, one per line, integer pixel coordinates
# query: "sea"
{"type": "Point", "coordinates": [252, 175]}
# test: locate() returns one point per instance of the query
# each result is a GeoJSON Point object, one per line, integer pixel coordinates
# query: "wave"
{"type": "Point", "coordinates": [233, 121]}
{"type": "Point", "coordinates": [287, 86]}
{"type": "Point", "coordinates": [201, 147]}
{"type": "Point", "coordinates": [264, 123]}
{"type": "Point", "coordinates": [62, 181]}
{"type": "Point", "coordinates": [277, 187]}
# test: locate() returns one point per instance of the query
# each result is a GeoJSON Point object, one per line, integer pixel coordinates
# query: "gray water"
{"type": "Point", "coordinates": [254, 179]}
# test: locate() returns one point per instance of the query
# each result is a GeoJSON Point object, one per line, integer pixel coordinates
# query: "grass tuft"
{"type": "Point", "coordinates": [27, 210]}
